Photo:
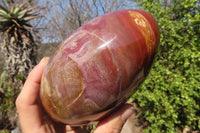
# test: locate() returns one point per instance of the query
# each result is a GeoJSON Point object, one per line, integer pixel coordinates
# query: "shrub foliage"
{"type": "Point", "coordinates": [8, 94]}
{"type": "Point", "coordinates": [170, 96]}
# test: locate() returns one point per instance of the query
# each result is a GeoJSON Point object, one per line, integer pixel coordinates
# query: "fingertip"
{"type": "Point", "coordinates": [37, 71]}
{"type": "Point", "coordinates": [116, 120]}
{"type": "Point", "coordinates": [128, 111]}
{"type": "Point", "coordinates": [44, 60]}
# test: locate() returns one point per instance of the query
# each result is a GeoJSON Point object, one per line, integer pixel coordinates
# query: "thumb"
{"type": "Point", "coordinates": [115, 122]}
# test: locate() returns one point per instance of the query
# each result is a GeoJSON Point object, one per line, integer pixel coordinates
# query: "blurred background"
{"type": "Point", "coordinates": [168, 101]}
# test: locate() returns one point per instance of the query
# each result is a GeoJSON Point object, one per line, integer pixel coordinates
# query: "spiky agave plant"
{"type": "Point", "coordinates": [18, 43]}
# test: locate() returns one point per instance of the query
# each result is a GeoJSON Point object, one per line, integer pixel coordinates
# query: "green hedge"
{"type": "Point", "coordinates": [170, 96]}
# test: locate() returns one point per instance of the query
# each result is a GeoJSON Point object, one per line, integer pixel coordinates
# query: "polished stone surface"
{"type": "Point", "coordinates": [97, 67]}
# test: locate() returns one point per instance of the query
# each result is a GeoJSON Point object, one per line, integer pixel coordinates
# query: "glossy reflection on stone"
{"type": "Point", "coordinates": [98, 66]}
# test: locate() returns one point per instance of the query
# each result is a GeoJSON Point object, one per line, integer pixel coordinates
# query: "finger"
{"type": "Point", "coordinates": [26, 103]}
{"type": "Point", "coordinates": [30, 91]}
{"type": "Point", "coordinates": [115, 122]}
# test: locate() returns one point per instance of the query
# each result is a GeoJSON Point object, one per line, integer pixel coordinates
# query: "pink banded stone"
{"type": "Point", "coordinates": [98, 66]}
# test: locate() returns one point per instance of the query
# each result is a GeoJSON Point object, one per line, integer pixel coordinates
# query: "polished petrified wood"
{"type": "Point", "coordinates": [98, 66]}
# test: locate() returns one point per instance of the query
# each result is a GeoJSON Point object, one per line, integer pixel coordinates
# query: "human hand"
{"type": "Point", "coordinates": [34, 119]}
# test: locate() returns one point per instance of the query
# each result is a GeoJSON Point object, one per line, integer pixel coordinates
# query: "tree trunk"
{"type": "Point", "coordinates": [19, 50]}
{"type": "Point", "coordinates": [19, 55]}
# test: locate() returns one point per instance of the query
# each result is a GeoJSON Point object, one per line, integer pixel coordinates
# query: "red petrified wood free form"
{"type": "Point", "coordinates": [98, 66]}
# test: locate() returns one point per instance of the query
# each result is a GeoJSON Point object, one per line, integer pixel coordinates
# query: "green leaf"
{"type": "Point", "coordinates": [2, 78]}
{"type": "Point", "coordinates": [31, 17]}
{"type": "Point", "coordinates": [4, 9]}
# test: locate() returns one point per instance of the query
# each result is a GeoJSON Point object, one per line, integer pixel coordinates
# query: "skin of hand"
{"type": "Point", "coordinates": [33, 118]}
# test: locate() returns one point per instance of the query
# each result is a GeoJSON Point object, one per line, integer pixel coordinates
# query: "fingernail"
{"type": "Point", "coordinates": [127, 114]}
{"type": "Point", "coordinates": [43, 59]}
